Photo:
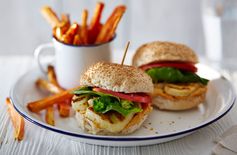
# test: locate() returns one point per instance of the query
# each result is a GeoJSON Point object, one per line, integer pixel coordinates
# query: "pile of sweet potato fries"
{"type": "Point", "coordinates": [84, 34]}
{"type": "Point", "coordinates": [61, 98]}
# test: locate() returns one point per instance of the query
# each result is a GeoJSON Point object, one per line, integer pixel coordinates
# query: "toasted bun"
{"type": "Point", "coordinates": [163, 51]}
{"type": "Point", "coordinates": [169, 102]}
{"type": "Point", "coordinates": [90, 126]}
{"type": "Point", "coordinates": [119, 78]}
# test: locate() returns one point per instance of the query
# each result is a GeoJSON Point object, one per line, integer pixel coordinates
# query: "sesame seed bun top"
{"type": "Point", "coordinates": [163, 51]}
{"type": "Point", "coordinates": [118, 78]}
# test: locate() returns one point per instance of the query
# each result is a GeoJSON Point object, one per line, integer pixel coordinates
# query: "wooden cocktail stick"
{"type": "Point", "coordinates": [125, 52]}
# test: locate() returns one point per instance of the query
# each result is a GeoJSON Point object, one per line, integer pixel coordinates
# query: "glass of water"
{"type": "Point", "coordinates": [220, 31]}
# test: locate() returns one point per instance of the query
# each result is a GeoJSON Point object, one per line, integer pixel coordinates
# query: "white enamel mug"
{"type": "Point", "coordinates": [71, 61]}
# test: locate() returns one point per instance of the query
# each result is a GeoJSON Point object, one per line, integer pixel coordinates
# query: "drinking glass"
{"type": "Point", "coordinates": [220, 31]}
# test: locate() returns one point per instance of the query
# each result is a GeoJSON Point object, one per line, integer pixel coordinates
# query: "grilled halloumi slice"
{"type": "Point", "coordinates": [110, 122]}
{"type": "Point", "coordinates": [179, 90]}
{"type": "Point", "coordinates": [106, 123]}
{"type": "Point", "coordinates": [176, 90]}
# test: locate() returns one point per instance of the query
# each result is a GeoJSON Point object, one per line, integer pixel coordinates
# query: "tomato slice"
{"type": "Point", "coordinates": [186, 66]}
{"type": "Point", "coordinates": [136, 97]}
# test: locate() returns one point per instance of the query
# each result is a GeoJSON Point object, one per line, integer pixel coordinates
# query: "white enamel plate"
{"type": "Point", "coordinates": [161, 126]}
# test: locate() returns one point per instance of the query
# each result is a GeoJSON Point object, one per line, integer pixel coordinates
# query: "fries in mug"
{"type": "Point", "coordinates": [84, 33]}
{"type": "Point", "coordinates": [77, 40]}
{"type": "Point", "coordinates": [50, 16]}
{"type": "Point", "coordinates": [65, 19]}
{"type": "Point", "coordinates": [95, 25]}
{"type": "Point", "coordinates": [108, 29]}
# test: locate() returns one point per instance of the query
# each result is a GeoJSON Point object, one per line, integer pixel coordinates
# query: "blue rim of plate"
{"type": "Point", "coordinates": [110, 138]}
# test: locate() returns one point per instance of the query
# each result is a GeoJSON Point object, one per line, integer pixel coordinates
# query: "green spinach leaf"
{"type": "Point", "coordinates": [173, 75]}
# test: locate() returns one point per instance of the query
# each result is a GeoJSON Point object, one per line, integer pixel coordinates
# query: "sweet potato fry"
{"type": "Point", "coordinates": [57, 33]}
{"type": "Point", "coordinates": [94, 27]}
{"type": "Point", "coordinates": [65, 23]}
{"type": "Point", "coordinates": [50, 16]}
{"type": "Point", "coordinates": [107, 27]}
{"type": "Point", "coordinates": [64, 27]}
{"type": "Point", "coordinates": [65, 18]}
{"type": "Point", "coordinates": [49, 116]}
{"type": "Point", "coordinates": [52, 88]}
{"type": "Point", "coordinates": [84, 31]}
{"type": "Point", "coordinates": [64, 108]}
{"type": "Point", "coordinates": [111, 33]}
{"type": "Point", "coordinates": [67, 39]}
{"type": "Point", "coordinates": [77, 40]}
{"type": "Point", "coordinates": [17, 121]}
{"type": "Point", "coordinates": [52, 76]}
{"type": "Point", "coordinates": [71, 32]}
{"type": "Point", "coordinates": [39, 105]}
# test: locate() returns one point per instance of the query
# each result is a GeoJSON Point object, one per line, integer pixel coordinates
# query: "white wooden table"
{"type": "Point", "coordinates": [40, 141]}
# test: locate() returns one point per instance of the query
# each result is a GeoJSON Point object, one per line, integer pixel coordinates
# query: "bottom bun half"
{"type": "Point", "coordinates": [92, 126]}
{"type": "Point", "coordinates": [180, 104]}
{"type": "Point", "coordinates": [166, 101]}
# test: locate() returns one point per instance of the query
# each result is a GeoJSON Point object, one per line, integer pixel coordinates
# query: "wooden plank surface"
{"type": "Point", "coordinates": [40, 141]}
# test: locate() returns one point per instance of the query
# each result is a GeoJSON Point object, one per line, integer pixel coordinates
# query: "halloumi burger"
{"type": "Point", "coordinates": [172, 69]}
{"type": "Point", "coordinates": [113, 99]}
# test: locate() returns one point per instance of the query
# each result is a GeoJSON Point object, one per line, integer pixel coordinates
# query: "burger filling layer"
{"type": "Point", "coordinates": [108, 111]}
{"type": "Point", "coordinates": [175, 79]}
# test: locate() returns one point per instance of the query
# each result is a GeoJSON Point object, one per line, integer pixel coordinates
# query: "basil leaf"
{"type": "Point", "coordinates": [173, 75]}
{"type": "Point", "coordinates": [104, 104]}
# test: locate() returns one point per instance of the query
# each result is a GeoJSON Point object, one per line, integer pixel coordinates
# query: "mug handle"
{"type": "Point", "coordinates": [37, 54]}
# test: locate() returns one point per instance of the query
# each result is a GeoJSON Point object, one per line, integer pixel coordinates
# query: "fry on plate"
{"type": "Point", "coordinates": [17, 121]}
{"type": "Point", "coordinates": [52, 88]}
{"type": "Point", "coordinates": [52, 75]}
{"type": "Point", "coordinates": [49, 116]}
{"type": "Point", "coordinates": [50, 16]}
{"type": "Point", "coordinates": [64, 108]}
{"type": "Point", "coordinates": [111, 23]}
{"type": "Point", "coordinates": [39, 105]}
